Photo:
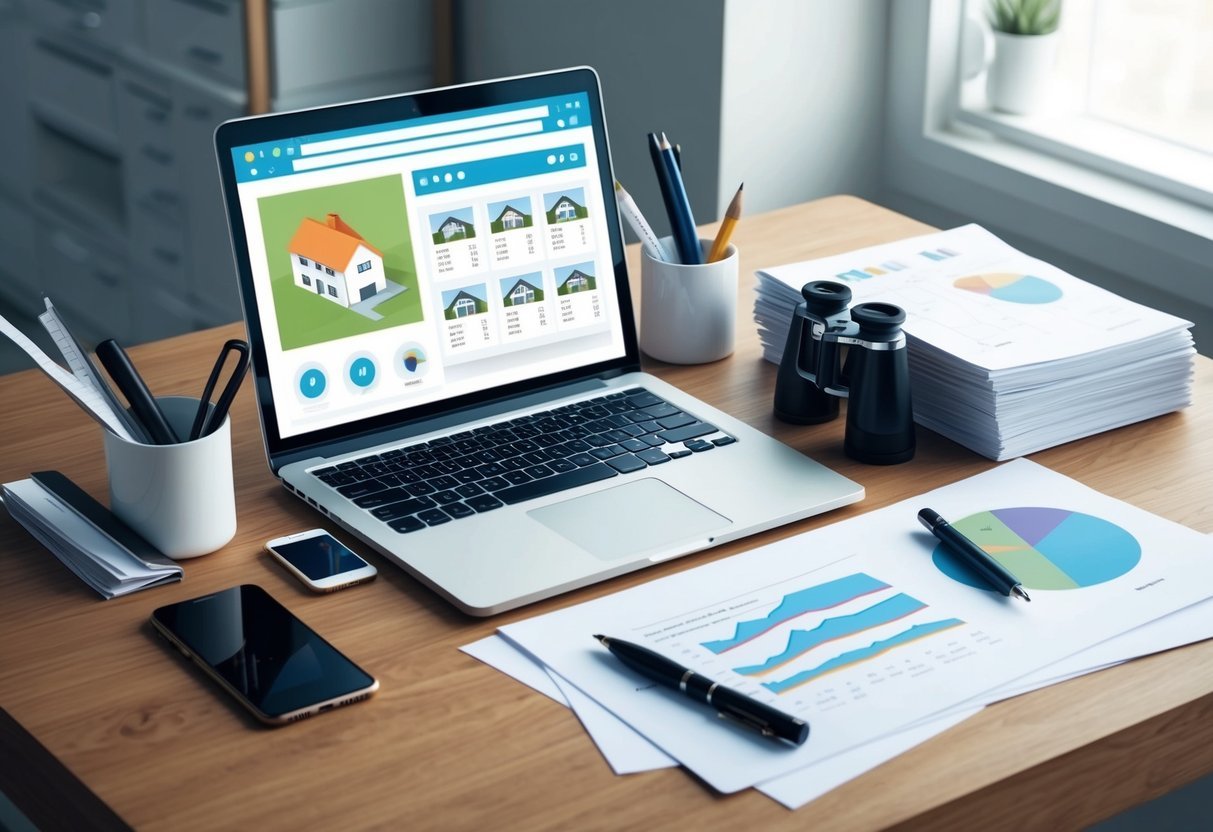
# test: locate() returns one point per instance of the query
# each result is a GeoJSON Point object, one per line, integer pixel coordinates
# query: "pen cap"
{"type": "Point", "coordinates": [688, 313]}
{"type": "Point", "coordinates": [180, 498]}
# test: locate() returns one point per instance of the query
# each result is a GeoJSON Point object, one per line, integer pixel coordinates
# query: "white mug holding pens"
{"type": "Point", "coordinates": [688, 301]}
{"type": "Point", "coordinates": [179, 495]}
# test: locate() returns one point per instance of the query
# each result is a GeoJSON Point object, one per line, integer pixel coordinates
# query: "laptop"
{"type": "Point", "coordinates": [444, 351]}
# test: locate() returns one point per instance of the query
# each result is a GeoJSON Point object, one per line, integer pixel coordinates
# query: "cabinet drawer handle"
{"type": "Point", "coordinates": [162, 157]}
{"type": "Point", "coordinates": [206, 56]}
{"type": "Point", "coordinates": [109, 279]}
{"type": "Point", "coordinates": [69, 248]}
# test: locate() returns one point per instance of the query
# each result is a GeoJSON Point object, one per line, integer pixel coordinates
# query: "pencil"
{"type": "Point", "coordinates": [721, 244]}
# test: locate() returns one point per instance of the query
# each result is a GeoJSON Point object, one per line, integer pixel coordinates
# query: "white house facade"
{"type": "Point", "coordinates": [332, 260]}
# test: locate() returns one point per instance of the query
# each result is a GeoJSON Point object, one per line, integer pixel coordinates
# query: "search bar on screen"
{"type": "Point", "coordinates": [384, 151]}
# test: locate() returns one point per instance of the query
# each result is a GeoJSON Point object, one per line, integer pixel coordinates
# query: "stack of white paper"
{"type": "Point", "coordinates": [867, 631]}
{"type": "Point", "coordinates": [97, 559]}
{"type": "Point", "coordinates": [1008, 354]}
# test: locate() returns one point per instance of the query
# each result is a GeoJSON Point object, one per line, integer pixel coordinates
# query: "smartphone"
{"type": "Point", "coordinates": [320, 560]}
{"type": "Point", "coordinates": [258, 651]}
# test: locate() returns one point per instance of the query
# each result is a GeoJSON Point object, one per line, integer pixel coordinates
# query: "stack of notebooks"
{"type": "Point", "coordinates": [103, 551]}
{"type": "Point", "coordinates": [1008, 354]}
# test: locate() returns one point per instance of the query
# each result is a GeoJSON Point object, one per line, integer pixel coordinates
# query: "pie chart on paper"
{"type": "Point", "coordinates": [1046, 548]}
{"type": "Point", "coordinates": [1012, 288]}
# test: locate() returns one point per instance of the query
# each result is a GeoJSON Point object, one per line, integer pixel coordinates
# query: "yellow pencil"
{"type": "Point", "coordinates": [721, 244]}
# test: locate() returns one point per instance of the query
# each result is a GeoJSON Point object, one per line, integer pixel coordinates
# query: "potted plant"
{"type": "Point", "coordinates": [1025, 47]}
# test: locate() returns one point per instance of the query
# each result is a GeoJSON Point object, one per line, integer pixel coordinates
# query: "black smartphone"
{"type": "Point", "coordinates": [276, 665]}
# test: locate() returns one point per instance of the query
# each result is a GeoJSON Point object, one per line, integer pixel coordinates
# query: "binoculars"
{"type": "Point", "coordinates": [875, 375]}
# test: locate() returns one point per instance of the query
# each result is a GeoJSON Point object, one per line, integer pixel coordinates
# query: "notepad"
{"type": "Point", "coordinates": [94, 556]}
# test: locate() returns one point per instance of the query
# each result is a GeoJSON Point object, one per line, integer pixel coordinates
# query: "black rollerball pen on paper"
{"type": "Point", "coordinates": [991, 570]}
{"type": "Point", "coordinates": [727, 702]}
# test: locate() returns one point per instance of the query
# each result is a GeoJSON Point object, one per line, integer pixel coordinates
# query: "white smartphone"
{"type": "Point", "coordinates": [321, 561]}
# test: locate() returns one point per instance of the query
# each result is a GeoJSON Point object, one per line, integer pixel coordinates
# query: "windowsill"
{"type": "Point", "coordinates": [1127, 154]}
{"type": "Point", "coordinates": [973, 134]}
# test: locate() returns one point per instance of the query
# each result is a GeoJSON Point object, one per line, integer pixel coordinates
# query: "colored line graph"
{"type": "Point", "coordinates": [802, 641]}
{"type": "Point", "coordinates": [863, 654]}
{"type": "Point", "coordinates": [812, 599]}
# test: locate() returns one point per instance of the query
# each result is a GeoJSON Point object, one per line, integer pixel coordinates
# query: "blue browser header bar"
{"type": "Point", "coordinates": [270, 160]}
{"type": "Point", "coordinates": [500, 169]}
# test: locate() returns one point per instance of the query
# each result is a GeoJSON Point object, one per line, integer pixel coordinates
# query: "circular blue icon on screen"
{"type": "Point", "coordinates": [312, 383]}
{"type": "Point", "coordinates": [362, 372]}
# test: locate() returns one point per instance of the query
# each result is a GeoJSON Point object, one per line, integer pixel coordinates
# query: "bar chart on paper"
{"type": "Point", "coordinates": [811, 646]}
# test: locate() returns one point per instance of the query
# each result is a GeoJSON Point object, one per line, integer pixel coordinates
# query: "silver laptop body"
{"type": "Point", "coordinates": [502, 313]}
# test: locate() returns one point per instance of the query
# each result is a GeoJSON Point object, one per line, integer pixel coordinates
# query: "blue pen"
{"type": "Point", "coordinates": [682, 222]}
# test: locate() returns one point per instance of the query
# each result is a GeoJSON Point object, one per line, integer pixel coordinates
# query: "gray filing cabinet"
{"type": "Point", "coordinates": [109, 194]}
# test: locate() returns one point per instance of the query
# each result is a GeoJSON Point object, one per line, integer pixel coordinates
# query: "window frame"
{"type": "Point", "coordinates": [1145, 244]}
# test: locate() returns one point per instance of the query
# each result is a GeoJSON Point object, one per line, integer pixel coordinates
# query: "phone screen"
{"type": "Point", "coordinates": [270, 657]}
{"type": "Point", "coordinates": [319, 557]}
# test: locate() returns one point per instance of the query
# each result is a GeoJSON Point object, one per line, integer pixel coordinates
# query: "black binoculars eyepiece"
{"type": "Point", "coordinates": [874, 376]}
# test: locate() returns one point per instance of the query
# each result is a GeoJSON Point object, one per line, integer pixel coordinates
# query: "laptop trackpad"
{"type": "Point", "coordinates": [629, 519]}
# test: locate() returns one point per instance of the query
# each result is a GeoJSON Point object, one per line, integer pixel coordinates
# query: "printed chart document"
{"type": "Point", "coordinates": [873, 628]}
{"type": "Point", "coordinates": [1008, 354]}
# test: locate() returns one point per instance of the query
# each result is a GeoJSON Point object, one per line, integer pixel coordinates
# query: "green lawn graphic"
{"type": "Point", "coordinates": [376, 209]}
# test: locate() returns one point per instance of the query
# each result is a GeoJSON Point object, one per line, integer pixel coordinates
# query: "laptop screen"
{"type": "Point", "coordinates": [406, 263]}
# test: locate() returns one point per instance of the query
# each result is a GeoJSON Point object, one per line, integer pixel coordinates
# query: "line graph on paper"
{"type": "Point", "coordinates": [811, 645]}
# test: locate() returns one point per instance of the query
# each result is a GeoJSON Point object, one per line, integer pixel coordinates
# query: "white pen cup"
{"type": "Point", "coordinates": [688, 313]}
{"type": "Point", "coordinates": [181, 498]}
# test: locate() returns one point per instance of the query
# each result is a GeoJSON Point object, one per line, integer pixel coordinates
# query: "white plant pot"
{"type": "Point", "coordinates": [1018, 78]}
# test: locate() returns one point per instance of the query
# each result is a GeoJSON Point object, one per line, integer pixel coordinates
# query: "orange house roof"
{"type": "Point", "coordinates": [331, 243]}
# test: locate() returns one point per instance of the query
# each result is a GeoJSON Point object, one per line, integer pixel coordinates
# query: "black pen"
{"type": "Point", "coordinates": [727, 702]}
{"type": "Point", "coordinates": [994, 573]}
{"type": "Point", "coordinates": [141, 400]}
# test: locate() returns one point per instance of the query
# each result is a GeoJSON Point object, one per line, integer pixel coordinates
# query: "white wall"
{"type": "Point", "coordinates": [659, 64]}
{"type": "Point", "coordinates": [786, 95]}
{"type": "Point", "coordinates": [803, 100]}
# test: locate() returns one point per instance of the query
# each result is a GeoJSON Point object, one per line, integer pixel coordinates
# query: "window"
{"type": "Point", "coordinates": [364, 267]}
{"type": "Point", "coordinates": [465, 307]}
{"type": "Point", "coordinates": [307, 281]}
{"type": "Point", "coordinates": [328, 270]}
{"type": "Point", "coordinates": [1130, 93]}
{"type": "Point", "coordinates": [332, 290]}
{"type": "Point", "coordinates": [303, 261]}
{"type": "Point", "coordinates": [319, 267]}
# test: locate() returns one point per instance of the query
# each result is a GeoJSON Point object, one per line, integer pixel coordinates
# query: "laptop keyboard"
{"type": "Point", "coordinates": [515, 460]}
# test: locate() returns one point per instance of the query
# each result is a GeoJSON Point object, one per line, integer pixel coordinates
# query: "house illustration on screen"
{"type": "Point", "coordinates": [453, 228]}
{"type": "Point", "coordinates": [334, 261]}
{"type": "Point", "coordinates": [566, 209]}
{"type": "Point", "coordinates": [577, 281]}
{"type": "Point", "coordinates": [510, 218]}
{"type": "Point", "coordinates": [464, 304]}
{"type": "Point", "coordinates": [522, 292]}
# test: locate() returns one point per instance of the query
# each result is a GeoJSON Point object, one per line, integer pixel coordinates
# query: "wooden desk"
{"type": "Point", "coordinates": [451, 743]}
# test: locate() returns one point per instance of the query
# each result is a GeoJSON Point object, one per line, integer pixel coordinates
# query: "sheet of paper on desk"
{"type": "Point", "coordinates": [902, 640]}
{"type": "Point", "coordinates": [627, 751]}
{"type": "Point", "coordinates": [1195, 623]}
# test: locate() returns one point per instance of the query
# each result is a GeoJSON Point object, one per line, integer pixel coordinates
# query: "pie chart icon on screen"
{"type": "Point", "coordinates": [411, 361]}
